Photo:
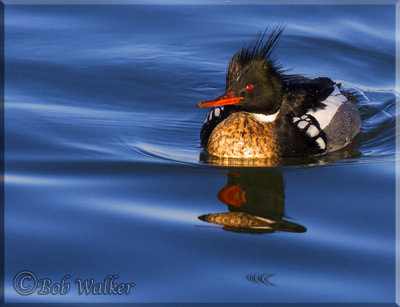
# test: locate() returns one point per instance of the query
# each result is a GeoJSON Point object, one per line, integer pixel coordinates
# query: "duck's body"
{"type": "Point", "coordinates": [266, 114]}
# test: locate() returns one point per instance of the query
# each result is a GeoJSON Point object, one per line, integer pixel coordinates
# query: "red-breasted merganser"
{"type": "Point", "coordinates": [265, 113]}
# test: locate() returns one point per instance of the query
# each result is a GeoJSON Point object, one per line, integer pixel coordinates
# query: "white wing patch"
{"type": "Point", "coordinates": [302, 124]}
{"type": "Point", "coordinates": [332, 102]}
{"type": "Point", "coordinates": [321, 143]}
{"type": "Point", "coordinates": [312, 131]}
{"type": "Point", "coordinates": [213, 112]}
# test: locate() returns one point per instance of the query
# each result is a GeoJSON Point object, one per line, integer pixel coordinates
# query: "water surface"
{"type": "Point", "coordinates": [103, 169]}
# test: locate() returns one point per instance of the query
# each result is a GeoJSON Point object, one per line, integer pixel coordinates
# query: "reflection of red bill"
{"type": "Point", "coordinates": [232, 195]}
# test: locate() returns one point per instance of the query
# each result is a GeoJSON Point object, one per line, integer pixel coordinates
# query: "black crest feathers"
{"type": "Point", "coordinates": [260, 49]}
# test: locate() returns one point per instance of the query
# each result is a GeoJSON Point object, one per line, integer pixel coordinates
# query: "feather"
{"type": "Point", "coordinates": [260, 49]}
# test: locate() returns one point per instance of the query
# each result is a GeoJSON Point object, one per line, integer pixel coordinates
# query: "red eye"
{"type": "Point", "coordinates": [249, 87]}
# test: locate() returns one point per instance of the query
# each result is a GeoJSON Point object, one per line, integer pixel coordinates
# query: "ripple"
{"type": "Point", "coordinates": [377, 109]}
{"type": "Point", "coordinates": [261, 279]}
{"type": "Point", "coordinates": [167, 153]}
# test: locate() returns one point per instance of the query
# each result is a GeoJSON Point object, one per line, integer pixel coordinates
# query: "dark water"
{"type": "Point", "coordinates": [102, 157]}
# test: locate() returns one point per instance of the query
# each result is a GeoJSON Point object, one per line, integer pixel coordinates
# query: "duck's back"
{"type": "Point", "coordinates": [324, 114]}
{"type": "Point", "coordinates": [344, 125]}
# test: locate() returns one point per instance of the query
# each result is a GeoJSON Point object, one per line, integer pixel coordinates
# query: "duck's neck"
{"type": "Point", "coordinates": [265, 118]}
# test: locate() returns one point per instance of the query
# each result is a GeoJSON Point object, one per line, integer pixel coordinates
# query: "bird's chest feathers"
{"type": "Point", "coordinates": [243, 135]}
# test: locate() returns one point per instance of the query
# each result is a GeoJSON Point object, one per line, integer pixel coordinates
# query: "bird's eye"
{"type": "Point", "coordinates": [249, 87]}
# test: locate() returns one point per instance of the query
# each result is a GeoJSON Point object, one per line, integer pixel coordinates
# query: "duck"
{"type": "Point", "coordinates": [266, 113]}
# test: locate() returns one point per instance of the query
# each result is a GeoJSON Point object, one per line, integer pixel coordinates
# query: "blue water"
{"type": "Point", "coordinates": [102, 158]}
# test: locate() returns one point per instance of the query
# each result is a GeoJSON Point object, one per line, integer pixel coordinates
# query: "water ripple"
{"type": "Point", "coordinates": [263, 279]}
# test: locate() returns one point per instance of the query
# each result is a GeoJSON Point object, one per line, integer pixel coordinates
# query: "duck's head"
{"type": "Point", "coordinates": [253, 81]}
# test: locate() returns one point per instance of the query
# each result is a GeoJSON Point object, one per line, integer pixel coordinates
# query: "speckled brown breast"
{"type": "Point", "coordinates": [242, 136]}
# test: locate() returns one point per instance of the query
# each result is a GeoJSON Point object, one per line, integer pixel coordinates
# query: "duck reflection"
{"type": "Point", "coordinates": [256, 203]}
